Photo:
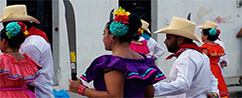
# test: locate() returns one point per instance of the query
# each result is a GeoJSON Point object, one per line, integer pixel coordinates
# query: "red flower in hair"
{"type": "Point", "coordinates": [23, 26]}
{"type": "Point", "coordinates": [123, 19]}
{"type": "Point", "coordinates": [218, 31]}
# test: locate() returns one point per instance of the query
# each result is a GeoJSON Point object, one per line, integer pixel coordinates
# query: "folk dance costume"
{"type": "Point", "coordinates": [140, 48]}
{"type": "Point", "coordinates": [14, 76]}
{"type": "Point", "coordinates": [139, 73]}
{"type": "Point", "coordinates": [215, 51]}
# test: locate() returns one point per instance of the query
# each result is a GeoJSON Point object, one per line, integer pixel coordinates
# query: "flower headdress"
{"type": "Point", "coordinates": [140, 31]}
{"type": "Point", "coordinates": [13, 28]}
{"type": "Point", "coordinates": [119, 26]}
{"type": "Point", "coordinates": [213, 32]}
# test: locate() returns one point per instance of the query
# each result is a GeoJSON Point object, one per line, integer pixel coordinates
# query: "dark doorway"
{"type": "Point", "coordinates": [41, 10]}
{"type": "Point", "coordinates": [142, 8]}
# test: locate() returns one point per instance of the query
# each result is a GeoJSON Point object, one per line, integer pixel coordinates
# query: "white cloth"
{"type": "Point", "coordinates": [154, 47]}
{"type": "Point", "coordinates": [37, 48]}
{"type": "Point", "coordinates": [190, 77]}
{"type": "Point", "coordinates": [224, 57]}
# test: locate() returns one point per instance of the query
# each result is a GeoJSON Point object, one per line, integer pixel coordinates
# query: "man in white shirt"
{"type": "Point", "coordinates": [37, 46]}
{"type": "Point", "coordinates": [190, 75]}
{"type": "Point", "coordinates": [156, 51]}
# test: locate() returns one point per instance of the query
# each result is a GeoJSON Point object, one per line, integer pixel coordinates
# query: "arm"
{"type": "Point", "coordinates": [239, 34]}
{"type": "Point", "coordinates": [205, 51]}
{"type": "Point", "coordinates": [223, 60]}
{"type": "Point", "coordinates": [114, 81]}
{"type": "Point", "coordinates": [149, 92]}
{"type": "Point", "coordinates": [185, 71]}
{"type": "Point", "coordinates": [213, 88]}
{"type": "Point", "coordinates": [32, 51]}
{"type": "Point", "coordinates": [159, 50]}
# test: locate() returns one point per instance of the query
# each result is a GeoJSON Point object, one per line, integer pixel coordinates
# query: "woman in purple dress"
{"type": "Point", "coordinates": [125, 73]}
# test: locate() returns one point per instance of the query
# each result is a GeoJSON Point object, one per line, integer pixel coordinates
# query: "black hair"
{"type": "Point", "coordinates": [15, 41]}
{"type": "Point", "coordinates": [136, 37]}
{"type": "Point", "coordinates": [210, 37]}
{"type": "Point", "coordinates": [187, 40]}
{"type": "Point", "coordinates": [134, 25]}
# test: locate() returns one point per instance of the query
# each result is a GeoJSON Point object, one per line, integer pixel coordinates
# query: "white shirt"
{"type": "Point", "coordinates": [224, 57]}
{"type": "Point", "coordinates": [154, 47]}
{"type": "Point", "coordinates": [37, 48]}
{"type": "Point", "coordinates": [190, 77]}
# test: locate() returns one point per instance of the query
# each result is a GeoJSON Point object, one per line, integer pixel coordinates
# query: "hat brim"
{"type": "Point", "coordinates": [147, 30]}
{"type": "Point", "coordinates": [179, 32]}
{"type": "Point", "coordinates": [204, 27]}
{"type": "Point", "coordinates": [19, 18]}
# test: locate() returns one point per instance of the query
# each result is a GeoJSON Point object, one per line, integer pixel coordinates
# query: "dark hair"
{"type": "Point", "coordinates": [134, 25]}
{"type": "Point", "coordinates": [15, 41]}
{"type": "Point", "coordinates": [136, 37]}
{"type": "Point", "coordinates": [187, 40]}
{"type": "Point", "coordinates": [210, 37]}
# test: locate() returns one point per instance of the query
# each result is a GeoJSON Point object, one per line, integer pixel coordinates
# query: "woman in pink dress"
{"type": "Point", "coordinates": [16, 69]}
{"type": "Point", "coordinates": [139, 46]}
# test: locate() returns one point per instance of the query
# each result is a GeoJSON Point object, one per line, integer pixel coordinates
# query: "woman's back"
{"type": "Point", "coordinates": [15, 74]}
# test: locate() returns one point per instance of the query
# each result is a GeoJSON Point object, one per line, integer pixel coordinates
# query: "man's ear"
{"type": "Point", "coordinates": [180, 40]}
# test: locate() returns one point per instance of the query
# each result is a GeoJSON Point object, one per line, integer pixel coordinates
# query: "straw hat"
{"type": "Point", "coordinates": [16, 13]}
{"type": "Point", "coordinates": [181, 27]}
{"type": "Point", "coordinates": [208, 24]}
{"type": "Point", "coordinates": [145, 25]}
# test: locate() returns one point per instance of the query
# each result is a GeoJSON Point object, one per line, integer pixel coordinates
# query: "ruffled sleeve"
{"type": "Point", "coordinates": [143, 70]}
{"type": "Point", "coordinates": [26, 70]}
{"type": "Point", "coordinates": [99, 64]}
{"type": "Point", "coordinates": [213, 50]}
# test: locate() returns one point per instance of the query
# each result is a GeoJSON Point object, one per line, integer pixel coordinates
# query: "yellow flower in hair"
{"type": "Point", "coordinates": [121, 12]}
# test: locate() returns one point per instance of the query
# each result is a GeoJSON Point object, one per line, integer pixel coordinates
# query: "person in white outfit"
{"type": "Point", "coordinates": [37, 46]}
{"type": "Point", "coordinates": [223, 60]}
{"type": "Point", "coordinates": [156, 51]}
{"type": "Point", "coordinates": [190, 75]}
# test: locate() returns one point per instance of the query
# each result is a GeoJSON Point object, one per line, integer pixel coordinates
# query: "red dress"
{"type": "Point", "coordinates": [215, 51]}
{"type": "Point", "coordinates": [140, 48]}
{"type": "Point", "coordinates": [14, 75]}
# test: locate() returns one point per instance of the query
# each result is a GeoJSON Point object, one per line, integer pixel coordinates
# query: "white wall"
{"type": "Point", "coordinates": [91, 17]}
{"type": "Point", "coordinates": [224, 12]}
{"type": "Point", "coordinates": [2, 5]}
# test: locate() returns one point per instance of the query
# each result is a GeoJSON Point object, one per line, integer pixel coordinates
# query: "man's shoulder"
{"type": "Point", "coordinates": [194, 55]}
{"type": "Point", "coordinates": [191, 53]}
{"type": "Point", "coordinates": [35, 39]}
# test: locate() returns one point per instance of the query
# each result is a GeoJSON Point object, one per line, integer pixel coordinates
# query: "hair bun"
{"type": "Point", "coordinates": [12, 28]}
{"type": "Point", "coordinates": [135, 23]}
{"type": "Point", "coordinates": [213, 32]}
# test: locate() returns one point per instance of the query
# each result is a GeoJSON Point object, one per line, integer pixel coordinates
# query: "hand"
{"type": "Point", "coordinates": [74, 85]}
{"type": "Point", "coordinates": [223, 64]}
{"type": "Point", "coordinates": [153, 57]}
{"type": "Point", "coordinates": [210, 95]}
{"type": "Point", "coordinates": [239, 34]}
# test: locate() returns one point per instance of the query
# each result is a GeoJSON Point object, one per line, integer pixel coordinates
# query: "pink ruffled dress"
{"type": "Point", "coordinates": [140, 48]}
{"type": "Point", "coordinates": [14, 76]}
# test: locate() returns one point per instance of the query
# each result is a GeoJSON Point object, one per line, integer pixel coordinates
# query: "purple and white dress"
{"type": "Point", "coordinates": [139, 73]}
